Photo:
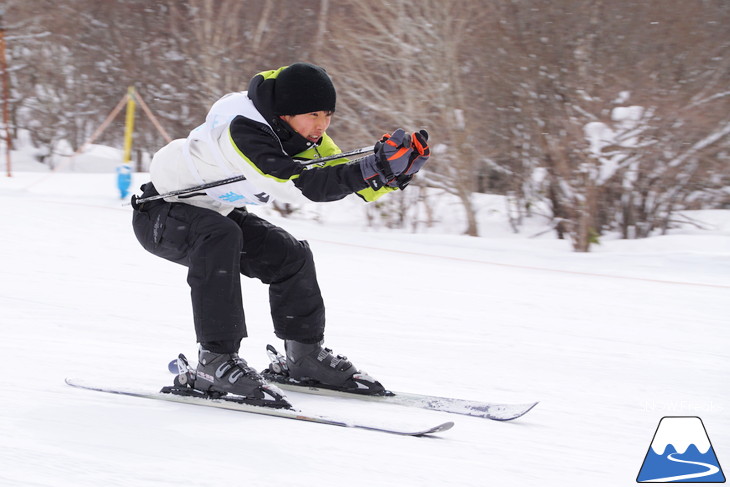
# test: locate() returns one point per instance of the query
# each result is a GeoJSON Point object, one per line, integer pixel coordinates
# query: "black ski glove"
{"type": "Point", "coordinates": [420, 152]}
{"type": "Point", "coordinates": [391, 158]}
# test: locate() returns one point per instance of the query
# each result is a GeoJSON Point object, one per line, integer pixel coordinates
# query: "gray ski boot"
{"type": "Point", "coordinates": [221, 373]}
{"type": "Point", "coordinates": [310, 362]}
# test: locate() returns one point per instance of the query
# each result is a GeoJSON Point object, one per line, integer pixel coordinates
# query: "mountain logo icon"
{"type": "Point", "coordinates": [681, 452]}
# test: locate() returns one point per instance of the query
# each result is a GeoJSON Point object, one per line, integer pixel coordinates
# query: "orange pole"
{"type": "Point", "coordinates": [152, 118]}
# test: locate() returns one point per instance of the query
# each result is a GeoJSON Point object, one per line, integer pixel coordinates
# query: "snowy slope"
{"type": "Point", "coordinates": [609, 342]}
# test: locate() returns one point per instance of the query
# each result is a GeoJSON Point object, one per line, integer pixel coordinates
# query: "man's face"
{"type": "Point", "coordinates": [309, 125]}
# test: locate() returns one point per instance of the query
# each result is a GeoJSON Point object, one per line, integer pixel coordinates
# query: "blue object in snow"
{"type": "Point", "coordinates": [124, 179]}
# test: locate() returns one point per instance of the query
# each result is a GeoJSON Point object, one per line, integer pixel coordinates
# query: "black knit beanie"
{"type": "Point", "coordinates": [303, 88]}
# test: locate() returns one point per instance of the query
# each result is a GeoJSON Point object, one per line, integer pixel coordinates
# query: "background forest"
{"type": "Point", "coordinates": [604, 115]}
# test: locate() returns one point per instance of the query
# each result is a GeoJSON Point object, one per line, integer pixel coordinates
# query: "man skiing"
{"type": "Point", "coordinates": [263, 134]}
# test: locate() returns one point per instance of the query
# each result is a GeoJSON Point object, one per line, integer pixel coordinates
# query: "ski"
{"type": "Point", "coordinates": [479, 409]}
{"type": "Point", "coordinates": [232, 404]}
{"type": "Point", "coordinates": [277, 373]}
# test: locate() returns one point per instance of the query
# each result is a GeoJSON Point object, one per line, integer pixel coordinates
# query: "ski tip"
{"type": "Point", "coordinates": [446, 426]}
{"type": "Point", "coordinates": [508, 413]}
{"type": "Point", "coordinates": [529, 407]}
{"type": "Point", "coordinates": [436, 429]}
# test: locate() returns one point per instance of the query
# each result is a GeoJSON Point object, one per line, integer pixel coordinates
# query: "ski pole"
{"type": "Point", "coordinates": [236, 179]}
{"type": "Point", "coordinates": [354, 152]}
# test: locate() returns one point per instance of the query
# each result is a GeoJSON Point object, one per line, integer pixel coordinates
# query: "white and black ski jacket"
{"type": "Point", "coordinates": [242, 136]}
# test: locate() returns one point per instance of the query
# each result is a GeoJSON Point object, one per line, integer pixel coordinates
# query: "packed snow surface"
{"type": "Point", "coordinates": [609, 342]}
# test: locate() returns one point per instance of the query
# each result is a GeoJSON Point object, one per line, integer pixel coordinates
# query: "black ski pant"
{"type": "Point", "coordinates": [217, 249]}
